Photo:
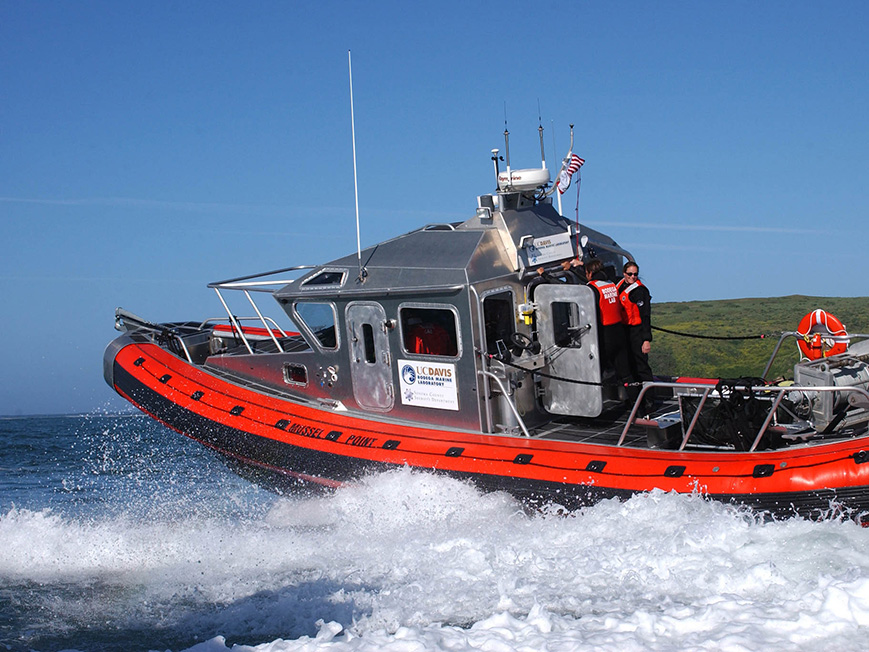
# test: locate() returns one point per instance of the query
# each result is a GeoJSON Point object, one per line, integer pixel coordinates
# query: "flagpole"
{"type": "Point", "coordinates": [564, 163]}
{"type": "Point", "coordinates": [558, 192]}
{"type": "Point", "coordinates": [578, 184]}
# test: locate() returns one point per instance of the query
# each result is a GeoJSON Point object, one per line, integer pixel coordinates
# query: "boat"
{"type": "Point", "coordinates": [446, 350]}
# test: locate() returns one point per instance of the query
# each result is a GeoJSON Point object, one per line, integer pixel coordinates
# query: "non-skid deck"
{"type": "Point", "coordinates": [605, 430]}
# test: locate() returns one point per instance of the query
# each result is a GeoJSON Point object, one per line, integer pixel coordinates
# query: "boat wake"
{"type": "Point", "coordinates": [407, 558]}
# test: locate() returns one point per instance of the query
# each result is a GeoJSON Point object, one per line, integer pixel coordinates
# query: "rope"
{"type": "Point", "coordinates": [566, 380]}
{"type": "Point", "coordinates": [713, 337]}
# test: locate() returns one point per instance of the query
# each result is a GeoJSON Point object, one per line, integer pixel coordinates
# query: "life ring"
{"type": "Point", "coordinates": [821, 335]}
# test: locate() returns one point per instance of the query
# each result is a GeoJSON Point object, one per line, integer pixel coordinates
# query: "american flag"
{"type": "Point", "coordinates": [567, 173]}
{"type": "Point", "coordinates": [575, 164]}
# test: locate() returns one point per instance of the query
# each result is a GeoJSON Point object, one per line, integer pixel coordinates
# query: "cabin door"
{"type": "Point", "coordinates": [567, 332]}
{"type": "Point", "coordinates": [370, 361]}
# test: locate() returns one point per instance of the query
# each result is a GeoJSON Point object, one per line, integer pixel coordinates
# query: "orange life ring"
{"type": "Point", "coordinates": [820, 334]}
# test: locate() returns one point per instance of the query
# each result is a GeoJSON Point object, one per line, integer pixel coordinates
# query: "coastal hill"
{"type": "Point", "coordinates": [689, 356]}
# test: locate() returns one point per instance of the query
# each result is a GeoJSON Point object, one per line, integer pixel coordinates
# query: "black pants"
{"type": "Point", "coordinates": [639, 361]}
{"type": "Point", "coordinates": [614, 351]}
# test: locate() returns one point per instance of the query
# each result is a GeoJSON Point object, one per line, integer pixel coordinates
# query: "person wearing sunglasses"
{"type": "Point", "coordinates": [636, 302]}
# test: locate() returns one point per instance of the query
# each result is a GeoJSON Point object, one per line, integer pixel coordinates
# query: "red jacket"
{"type": "Point", "coordinates": [636, 302]}
{"type": "Point", "coordinates": [608, 302]}
{"type": "Point", "coordinates": [632, 310]}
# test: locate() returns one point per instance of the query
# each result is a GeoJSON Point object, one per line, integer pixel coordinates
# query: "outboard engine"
{"type": "Point", "coordinates": [849, 369]}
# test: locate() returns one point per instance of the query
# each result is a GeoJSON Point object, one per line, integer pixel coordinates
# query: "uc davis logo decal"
{"type": "Point", "coordinates": [428, 384]}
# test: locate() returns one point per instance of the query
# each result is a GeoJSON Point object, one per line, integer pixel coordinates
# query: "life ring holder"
{"type": "Point", "coordinates": [821, 335]}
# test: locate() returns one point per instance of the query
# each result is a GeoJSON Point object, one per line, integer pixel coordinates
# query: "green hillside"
{"type": "Point", "coordinates": [686, 356]}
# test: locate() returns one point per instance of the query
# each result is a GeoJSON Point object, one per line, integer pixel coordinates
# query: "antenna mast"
{"type": "Point", "coordinates": [540, 131]}
{"type": "Point", "coordinates": [564, 163]}
{"type": "Point", "coordinates": [362, 272]}
{"type": "Point", "coordinates": [507, 148]}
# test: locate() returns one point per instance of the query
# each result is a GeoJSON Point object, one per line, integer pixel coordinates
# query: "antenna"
{"type": "Point", "coordinates": [507, 148]}
{"type": "Point", "coordinates": [540, 131]}
{"type": "Point", "coordinates": [507, 153]}
{"type": "Point", "coordinates": [362, 271]}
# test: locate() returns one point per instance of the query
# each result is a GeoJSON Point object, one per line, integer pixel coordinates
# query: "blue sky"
{"type": "Point", "coordinates": [151, 148]}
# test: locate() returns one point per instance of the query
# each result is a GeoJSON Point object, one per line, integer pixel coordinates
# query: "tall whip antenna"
{"type": "Point", "coordinates": [362, 272]}
{"type": "Point", "coordinates": [540, 131]}
{"type": "Point", "coordinates": [507, 148]}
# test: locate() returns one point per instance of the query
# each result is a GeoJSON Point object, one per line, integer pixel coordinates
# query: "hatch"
{"type": "Point", "coordinates": [567, 331]}
{"type": "Point", "coordinates": [370, 361]}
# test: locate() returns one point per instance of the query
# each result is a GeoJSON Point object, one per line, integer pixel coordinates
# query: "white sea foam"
{"type": "Point", "coordinates": [408, 561]}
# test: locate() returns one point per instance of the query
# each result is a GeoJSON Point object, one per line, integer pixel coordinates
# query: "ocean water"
{"type": "Point", "coordinates": [119, 534]}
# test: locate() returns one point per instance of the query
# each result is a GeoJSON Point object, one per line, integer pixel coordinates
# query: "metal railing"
{"type": "Point", "coordinates": [705, 390]}
{"type": "Point", "coordinates": [238, 330]}
{"type": "Point", "coordinates": [124, 319]}
{"type": "Point", "coordinates": [246, 285]}
{"type": "Point", "coordinates": [799, 336]}
{"type": "Point", "coordinates": [509, 400]}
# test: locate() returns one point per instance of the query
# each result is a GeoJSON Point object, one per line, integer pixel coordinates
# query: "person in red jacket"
{"type": "Point", "coordinates": [611, 328]}
{"type": "Point", "coordinates": [636, 303]}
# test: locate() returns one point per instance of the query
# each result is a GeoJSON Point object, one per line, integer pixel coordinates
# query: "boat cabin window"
{"type": "Point", "coordinates": [565, 325]}
{"type": "Point", "coordinates": [368, 343]}
{"type": "Point", "coordinates": [429, 331]}
{"type": "Point", "coordinates": [326, 278]}
{"type": "Point", "coordinates": [498, 315]}
{"type": "Point", "coordinates": [320, 320]}
{"type": "Point", "coordinates": [295, 374]}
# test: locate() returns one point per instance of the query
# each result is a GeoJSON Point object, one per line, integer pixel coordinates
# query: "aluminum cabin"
{"type": "Point", "coordinates": [471, 285]}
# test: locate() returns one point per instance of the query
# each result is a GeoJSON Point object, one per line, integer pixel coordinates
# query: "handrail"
{"type": "Point", "coordinates": [695, 418]}
{"type": "Point", "coordinates": [122, 316]}
{"type": "Point", "coordinates": [487, 404]}
{"type": "Point", "coordinates": [769, 417]}
{"type": "Point", "coordinates": [798, 336]}
{"type": "Point", "coordinates": [775, 351]}
{"type": "Point", "coordinates": [247, 284]}
{"type": "Point", "coordinates": [316, 293]}
{"type": "Point", "coordinates": [263, 320]}
{"type": "Point", "coordinates": [234, 322]}
{"type": "Point", "coordinates": [183, 347]}
{"type": "Point", "coordinates": [261, 274]}
{"type": "Point", "coordinates": [274, 324]}
{"type": "Point", "coordinates": [708, 389]}
{"type": "Point", "coordinates": [509, 400]}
